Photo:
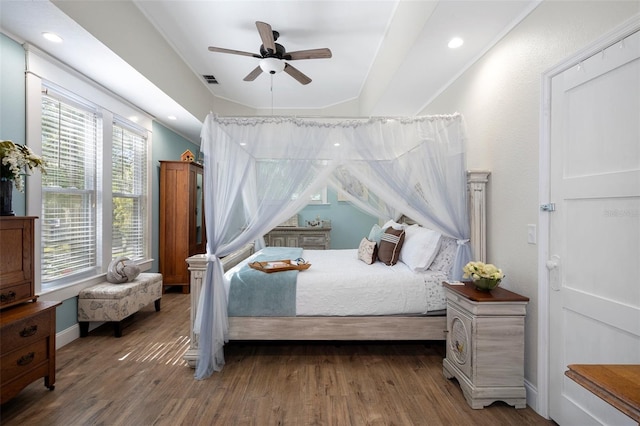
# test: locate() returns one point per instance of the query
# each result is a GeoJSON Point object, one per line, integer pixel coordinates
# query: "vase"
{"type": "Point", "coordinates": [6, 193]}
{"type": "Point", "coordinates": [486, 284]}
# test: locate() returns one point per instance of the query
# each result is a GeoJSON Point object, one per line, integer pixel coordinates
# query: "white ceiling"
{"type": "Point", "coordinates": [389, 57]}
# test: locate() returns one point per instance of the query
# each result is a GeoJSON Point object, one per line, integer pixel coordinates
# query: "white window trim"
{"type": "Point", "coordinates": [41, 66]}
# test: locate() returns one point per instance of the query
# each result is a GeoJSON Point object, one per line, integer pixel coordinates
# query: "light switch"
{"type": "Point", "coordinates": [531, 234]}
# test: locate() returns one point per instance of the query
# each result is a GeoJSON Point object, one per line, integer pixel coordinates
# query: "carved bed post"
{"type": "Point", "coordinates": [477, 185]}
{"type": "Point", "coordinates": [197, 271]}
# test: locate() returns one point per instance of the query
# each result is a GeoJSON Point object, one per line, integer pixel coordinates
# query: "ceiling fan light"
{"type": "Point", "coordinates": [272, 65]}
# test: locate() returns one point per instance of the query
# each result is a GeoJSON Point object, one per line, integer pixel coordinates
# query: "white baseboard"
{"type": "Point", "coordinates": [70, 334]}
{"type": "Point", "coordinates": [67, 336]}
{"type": "Point", "coordinates": [532, 396]}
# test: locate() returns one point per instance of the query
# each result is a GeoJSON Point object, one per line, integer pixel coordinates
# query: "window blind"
{"type": "Point", "coordinates": [129, 182]}
{"type": "Point", "coordinates": [69, 231]}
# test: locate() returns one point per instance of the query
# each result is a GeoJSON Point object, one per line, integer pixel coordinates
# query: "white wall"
{"type": "Point", "coordinates": [500, 99]}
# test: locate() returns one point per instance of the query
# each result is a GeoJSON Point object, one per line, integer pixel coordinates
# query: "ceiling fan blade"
{"type": "Point", "coordinates": [266, 34]}
{"type": "Point", "coordinates": [295, 73]}
{"type": "Point", "coordinates": [309, 54]}
{"type": "Point", "coordinates": [253, 74]}
{"type": "Point", "coordinates": [233, 52]}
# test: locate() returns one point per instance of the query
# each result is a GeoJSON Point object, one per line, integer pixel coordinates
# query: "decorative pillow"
{"type": "Point", "coordinates": [446, 255]}
{"type": "Point", "coordinates": [375, 233]}
{"type": "Point", "coordinates": [367, 252]}
{"type": "Point", "coordinates": [420, 247]}
{"type": "Point", "coordinates": [390, 246]}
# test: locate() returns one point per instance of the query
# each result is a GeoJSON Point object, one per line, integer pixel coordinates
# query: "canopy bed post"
{"type": "Point", "coordinates": [476, 185]}
{"type": "Point", "coordinates": [339, 328]}
{"type": "Point", "coordinates": [198, 269]}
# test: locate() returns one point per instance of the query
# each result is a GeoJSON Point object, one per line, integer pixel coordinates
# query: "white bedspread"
{"type": "Point", "coordinates": [338, 284]}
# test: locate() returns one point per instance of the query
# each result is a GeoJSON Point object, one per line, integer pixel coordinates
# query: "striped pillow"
{"type": "Point", "coordinates": [390, 246]}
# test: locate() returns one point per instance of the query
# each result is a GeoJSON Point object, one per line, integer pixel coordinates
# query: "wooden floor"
{"type": "Point", "coordinates": [141, 379]}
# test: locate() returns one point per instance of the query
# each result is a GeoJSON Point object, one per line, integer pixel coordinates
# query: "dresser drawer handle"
{"type": "Point", "coordinates": [29, 331]}
{"type": "Point", "coordinates": [9, 297]}
{"type": "Point", "coordinates": [26, 359]}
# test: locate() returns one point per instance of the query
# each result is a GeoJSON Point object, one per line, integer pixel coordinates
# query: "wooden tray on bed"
{"type": "Point", "coordinates": [278, 266]}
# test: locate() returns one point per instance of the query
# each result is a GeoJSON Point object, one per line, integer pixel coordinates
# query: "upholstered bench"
{"type": "Point", "coordinates": [108, 302]}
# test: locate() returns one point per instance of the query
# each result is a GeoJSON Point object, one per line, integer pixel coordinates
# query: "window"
{"type": "Point", "coordinates": [94, 192]}
{"type": "Point", "coordinates": [70, 144]}
{"type": "Point", "coordinates": [93, 202]}
{"type": "Point", "coordinates": [129, 183]}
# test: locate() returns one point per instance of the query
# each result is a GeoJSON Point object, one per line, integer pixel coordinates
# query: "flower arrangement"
{"type": "Point", "coordinates": [476, 270]}
{"type": "Point", "coordinates": [485, 276]}
{"type": "Point", "coordinates": [15, 158]}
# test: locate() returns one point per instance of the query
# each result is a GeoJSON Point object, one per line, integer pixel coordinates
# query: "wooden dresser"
{"type": "Point", "coordinates": [485, 344]}
{"type": "Point", "coordinates": [311, 238]}
{"type": "Point", "coordinates": [27, 327]}
{"type": "Point", "coordinates": [182, 224]}
{"type": "Point", "coordinates": [27, 346]}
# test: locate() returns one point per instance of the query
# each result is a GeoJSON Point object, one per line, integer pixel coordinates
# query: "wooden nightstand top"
{"type": "Point", "coordinates": [498, 294]}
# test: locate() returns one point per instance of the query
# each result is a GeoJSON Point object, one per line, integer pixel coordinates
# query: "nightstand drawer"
{"type": "Point", "coordinates": [23, 360]}
{"type": "Point", "coordinates": [25, 331]}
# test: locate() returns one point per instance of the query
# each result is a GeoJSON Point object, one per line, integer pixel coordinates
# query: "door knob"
{"type": "Point", "coordinates": [553, 266]}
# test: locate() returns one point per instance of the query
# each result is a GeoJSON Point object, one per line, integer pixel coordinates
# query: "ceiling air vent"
{"type": "Point", "coordinates": [210, 79]}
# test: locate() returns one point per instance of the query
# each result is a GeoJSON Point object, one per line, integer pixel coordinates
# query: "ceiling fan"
{"type": "Point", "coordinates": [273, 55]}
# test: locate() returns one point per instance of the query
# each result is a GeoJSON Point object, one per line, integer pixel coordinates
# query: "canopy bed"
{"type": "Point", "coordinates": [260, 171]}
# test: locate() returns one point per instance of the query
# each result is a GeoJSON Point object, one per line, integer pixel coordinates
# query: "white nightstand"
{"type": "Point", "coordinates": [485, 344]}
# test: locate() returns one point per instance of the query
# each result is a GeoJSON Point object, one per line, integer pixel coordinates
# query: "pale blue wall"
{"type": "Point", "coordinates": [12, 102]}
{"type": "Point", "coordinates": [348, 224]}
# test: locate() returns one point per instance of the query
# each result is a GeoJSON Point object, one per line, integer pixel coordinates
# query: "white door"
{"type": "Point", "coordinates": [594, 239]}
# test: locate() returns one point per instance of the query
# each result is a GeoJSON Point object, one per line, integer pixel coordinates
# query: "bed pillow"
{"type": "Point", "coordinates": [376, 233]}
{"type": "Point", "coordinates": [447, 253]}
{"type": "Point", "coordinates": [420, 247]}
{"type": "Point", "coordinates": [390, 246]}
{"type": "Point", "coordinates": [367, 252]}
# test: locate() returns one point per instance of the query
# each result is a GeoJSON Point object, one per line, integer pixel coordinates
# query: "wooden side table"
{"type": "Point", "coordinates": [485, 344]}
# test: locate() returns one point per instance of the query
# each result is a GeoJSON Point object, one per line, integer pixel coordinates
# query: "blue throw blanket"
{"type": "Point", "coordinates": [254, 293]}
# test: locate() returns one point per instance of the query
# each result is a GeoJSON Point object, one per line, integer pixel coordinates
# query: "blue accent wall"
{"type": "Point", "coordinates": [348, 224]}
{"type": "Point", "coordinates": [12, 103]}
{"type": "Point", "coordinates": [67, 314]}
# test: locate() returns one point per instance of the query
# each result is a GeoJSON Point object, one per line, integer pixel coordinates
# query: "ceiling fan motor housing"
{"type": "Point", "coordinates": [279, 53]}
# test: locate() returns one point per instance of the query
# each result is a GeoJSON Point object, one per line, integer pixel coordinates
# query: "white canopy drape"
{"type": "Point", "coordinates": [260, 171]}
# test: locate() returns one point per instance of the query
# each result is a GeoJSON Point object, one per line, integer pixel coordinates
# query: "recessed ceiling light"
{"type": "Point", "coordinates": [52, 37]}
{"type": "Point", "coordinates": [172, 117]}
{"type": "Point", "coordinates": [455, 43]}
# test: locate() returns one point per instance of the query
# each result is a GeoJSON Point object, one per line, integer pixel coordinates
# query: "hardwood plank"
{"type": "Point", "coordinates": [142, 379]}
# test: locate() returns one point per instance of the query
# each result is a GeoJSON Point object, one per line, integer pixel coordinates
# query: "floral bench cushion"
{"type": "Point", "coordinates": [114, 302]}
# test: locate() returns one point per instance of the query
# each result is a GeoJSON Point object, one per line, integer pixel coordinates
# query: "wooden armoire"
{"type": "Point", "coordinates": [182, 231]}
